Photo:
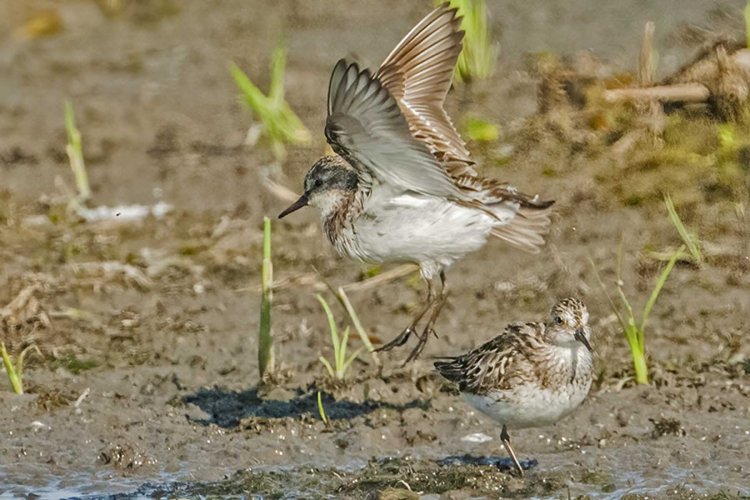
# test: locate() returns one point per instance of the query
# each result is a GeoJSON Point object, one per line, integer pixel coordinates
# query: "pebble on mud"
{"type": "Point", "coordinates": [124, 456]}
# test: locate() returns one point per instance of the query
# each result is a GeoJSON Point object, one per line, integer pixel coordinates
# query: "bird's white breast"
{"type": "Point", "coordinates": [417, 228]}
{"type": "Point", "coordinates": [532, 405]}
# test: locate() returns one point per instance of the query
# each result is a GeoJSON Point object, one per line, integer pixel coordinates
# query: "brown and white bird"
{"type": "Point", "coordinates": [402, 186]}
{"type": "Point", "coordinates": [531, 375]}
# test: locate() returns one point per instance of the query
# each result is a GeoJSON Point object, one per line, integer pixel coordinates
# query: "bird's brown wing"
{"type": "Point", "coordinates": [418, 73]}
{"type": "Point", "coordinates": [499, 364]}
{"type": "Point", "coordinates": [366, 126]}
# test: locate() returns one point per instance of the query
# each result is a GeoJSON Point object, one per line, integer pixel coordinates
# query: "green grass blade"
{"type": "Point", "coordinates": [354, 356]}
{"type": "Point", "coordinates": [690, 241]}
{"type": "Point", "coordinates": [341, 360]}
{"type": "Point", "coordinates": [478, 56]}
{"type": "Point", "coordinates": [254, 98]}
{"type": "Point", "coordinates": [295, 130]}
{"type": "Point", "coordinates": [321, 410]}
{"type": "Point", "coordinates": [639, 363]}
{"type": "Point", "coordinates": [74, 150]}
{"type": "Point", "coordinates": [14, 377]}
{"type": "Point", "coordinates": [630, 318]}
{"type": "Point", "coordinates": [659, 285]}
{"type": "Point", "coordinates": [328, 366]}
{"type": "Point", "coordinates": [266, 238]}
{"type": "Point", "coordinates": [344, 300]}
{"type": "Point", "coordinates": [747, 25]}
{"type": "Point", "coordinates": [278, 68]}
{"type": "Point", "coordinates": [665, 256]}
{"type": "Point", "coordinates": [265, 339]}
{"type": "Point", "coordinates": [332, 327]}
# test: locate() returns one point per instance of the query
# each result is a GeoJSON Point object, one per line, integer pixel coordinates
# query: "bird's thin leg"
{"type": "Point", "coordinates": [430, 327]}
{"type": "Point", "coordinates": [412, 328]}
{"type": "Point", "coordinates": [437, 302]}
{"type": "Point", "coordinates": [505, 438]}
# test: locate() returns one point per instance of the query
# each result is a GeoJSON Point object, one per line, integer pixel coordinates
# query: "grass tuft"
{"type": "Point", "coordinates": [279, 123]}
{"type": "Point", "coordinates": [265, 340]}
{"type": "Point", "coordinates": [343, 299]}
{"type": "Point", "coordinates": [477, 59]}
{"type": "Point", "coordinates": [363, 336]}
{"type": "Point", "coordinates": [337, 370]}
{"type": "Point", "coordinates": [635, 330]}
{"type": "Point", "coordinates": [74, 149]}
{"type": "Point", "coordinates": [15, 371]}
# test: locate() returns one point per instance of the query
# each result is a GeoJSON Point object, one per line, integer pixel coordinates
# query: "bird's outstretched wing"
{"type": "Point", "coordinates": [418, 74]}
{"type": "Point", "coordinates": [499, 364]}
{"type": "Point", "coordinates": [366, 126]}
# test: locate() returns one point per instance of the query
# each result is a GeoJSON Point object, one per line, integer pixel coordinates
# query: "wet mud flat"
{"type": "Point", "coordinates": [667, 443]}
{"type": "Point", "coordinates": [147, 381]}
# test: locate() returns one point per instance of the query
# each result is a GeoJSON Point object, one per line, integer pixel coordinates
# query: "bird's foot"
{"type": "Point", "coordinates": [399, 340]}
{"type": "Point", "coordinates": [420, 345]}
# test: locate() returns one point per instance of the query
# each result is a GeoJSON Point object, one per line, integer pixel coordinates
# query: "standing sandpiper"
{"type": "Point", "coordinates": [531, 375]}
{"type": "Point", "coordinates": [401, 186]}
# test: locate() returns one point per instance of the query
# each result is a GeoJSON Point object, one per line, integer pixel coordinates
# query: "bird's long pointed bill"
{"type": "Point", "coordinates": [581, 337]}
{"type": "Point", "coordinates": [302, 202]}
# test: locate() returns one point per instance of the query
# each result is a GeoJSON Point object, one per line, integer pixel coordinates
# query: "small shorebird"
{"type": "Point", "coordinates": [531, 375]}
{"type": "Point", "coordinates": [401, 186]}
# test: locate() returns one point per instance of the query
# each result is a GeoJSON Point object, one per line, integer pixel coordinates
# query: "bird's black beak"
{"type": "Point", "coordinates": [302, 202]}
{"type": "Point", "coordinates": [581, 337]}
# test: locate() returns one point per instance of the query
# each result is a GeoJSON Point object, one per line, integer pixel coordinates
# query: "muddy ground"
{"type": "Point", "coordinates": [147, 382]}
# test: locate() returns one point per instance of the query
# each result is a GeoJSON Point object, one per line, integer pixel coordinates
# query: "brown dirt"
{"type": "Point", "coordinates": [148, 380]}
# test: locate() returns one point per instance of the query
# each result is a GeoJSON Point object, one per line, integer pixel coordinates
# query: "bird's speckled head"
{"type": "Point", "coordinates": [567, 325]}
{"type": "Point", "coordinates": [329, 173]}
{"type": "Point", "coordinates": [327, 183]}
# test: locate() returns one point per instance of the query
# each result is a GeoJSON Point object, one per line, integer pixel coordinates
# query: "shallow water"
{"type": "Point", "coordinates": [277, 481]}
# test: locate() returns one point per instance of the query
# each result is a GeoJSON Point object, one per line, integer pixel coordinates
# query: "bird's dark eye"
{"type": "Point", "coordinates": [558, 320]}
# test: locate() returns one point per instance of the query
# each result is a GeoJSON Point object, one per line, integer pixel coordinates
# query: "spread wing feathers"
{"type": "Point", "coordinates": [525, 230]}
{"type": "Point", "coordinates": [418, 75]}
{"type": "Point", "coordinates": [365, 126]}
{"type": "Point", "coordinates": [499, 364]}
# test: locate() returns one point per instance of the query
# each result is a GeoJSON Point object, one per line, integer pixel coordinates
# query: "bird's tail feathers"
{"type": "Point", "coordinates": [450, 369]}
{"type": "Point", "coordinates": [525, 231]}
